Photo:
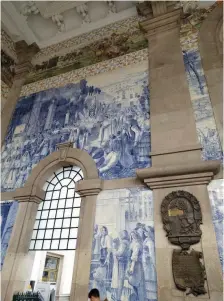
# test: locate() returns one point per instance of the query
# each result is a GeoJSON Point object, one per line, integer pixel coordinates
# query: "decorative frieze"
{"type": "Point", "coordinates": [129, 25]}
{"type": "Point", "coordinates": [76, 75]}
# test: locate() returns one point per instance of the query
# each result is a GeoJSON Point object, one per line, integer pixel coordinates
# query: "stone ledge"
{"type": "Point", "coordinates": [176, 150]}
{"type": "Point", "coordinates": [179, 175]}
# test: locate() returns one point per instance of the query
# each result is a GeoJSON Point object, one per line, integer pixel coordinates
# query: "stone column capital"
{"type": "Point", "coordinates": [25, 54]}
{"type": "Point", "coordinates": [160, 16]}
{"type": "Point", "coordinates": [89, 187]}
{"type": "Point", "coordinates": [200, 173]}
{"type": "Point", "coordinates": [29, 194]}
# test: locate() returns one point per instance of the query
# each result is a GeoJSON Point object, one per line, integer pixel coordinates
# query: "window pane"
{"type": "Point", "coordinates": [38, 214]}
{"type": "Point", "coordinates": [61, 203]}
{"type": "Point", "coordinates": [44, 214]}
{"type": "Point", "coordinates": [66, 175]}
{"type": "Point", "coordinates": [75, 222]}
{"type": "Point", "coordinates": [42, 224]}
{"type": "Point", "coordinates": [76, 212]}
{"type": "Point", "coordinates": [54, 244]}
{"type": "Point", "coordinates": [64, 233]}
{"type": "Point", "coordinates": [36, 224]}
{"type": "Point", "coordinates": [45, 186]}
{"type": "Point", "coordinates": [54, 204]}
{"type": "Point", "coordinates": [68, 213]}
{"type": "Point", "coordinates": [34, 234]}
{"type": "Point", "coordinates": [60, 213]}
{"type": "Point", "coordinates": [73, 233]}
{"type": "Point", "coordinates": [58, 223]}
{"type": "Point", "coordinates": [76, 168]}
{"type": "Point", "coordinates": [60, 175]}
{"type": "Point", "coordinates": [72, 185]}
{"type": "Point", "coordinates": [55, 195]}
{"type": "Point", "coordinates": [77, 202]}
{"type": "Point", "coordinates": [73, 174]}
{"type": "Point", "coordinates": [63, 244]}
{"type": "Point", "coordinates": [40, 234]}
{"type": "Point", "coordinates": [32, 244]}
{"type": "Point", "coordinates": [49, 195]}
{"type": "Point", "coordinates": [56, 233]}
{"type": "Point", "coordinates": [78, 178]}
{"type": "Point", "coordinates": [46, 244]}
{"type": "Point", "coordinates": [72, 244]}
{"type": "Point", "coordinates": [50, 223]}
{"type": "Point", "coordinates": [63, 193]}
{"type": "Point", "coordinates": [50, 187]}
{"type": "Point", "coordinates": [48, 233]}
{"type": "Point", "coordinates": [58, 186]}
{"type": "Point", "coordinates": [66, 223]}
{"type": "Point", "coordinates": [54, 181]}
{"type": "Point", "coordinates": [52, 214]}
{"type": "Point", "coordinates": [69, 203]}
{"type": "Point", "coordinates": [71, 193]}
{"type": "Point", "coordinates": [38, 244]}
{"type": "Point", "coordinates": [40, 206]}
{"type": "Point", "coordinates": [47, 204]}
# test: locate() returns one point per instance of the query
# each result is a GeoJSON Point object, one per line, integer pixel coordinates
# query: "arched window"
{"type": "Point", "coordinates": [57, 219]}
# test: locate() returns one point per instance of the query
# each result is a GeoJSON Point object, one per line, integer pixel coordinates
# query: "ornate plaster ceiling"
{"type": "Point", "coordinates": [51, 22]}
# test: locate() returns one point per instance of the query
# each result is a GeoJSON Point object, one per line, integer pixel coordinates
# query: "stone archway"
{"type": "Point", "coordinates": [18, 261]}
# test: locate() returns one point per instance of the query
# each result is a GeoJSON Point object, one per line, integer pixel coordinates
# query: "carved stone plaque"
{"type": "Point", "coordinates": [181, 215]}
{"type": "Point", "coordinates": [188, 272]}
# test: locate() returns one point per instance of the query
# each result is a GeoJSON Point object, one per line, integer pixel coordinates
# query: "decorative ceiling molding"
{"type": "Point", "coordinates": [49, 9]}
{"type": "Point", "coordinates": [76, 75]}
{"type": "Point", "coordinates": [7, 45]}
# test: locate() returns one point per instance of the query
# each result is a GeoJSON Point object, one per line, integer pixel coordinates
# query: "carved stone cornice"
{"type": "Point", "coordinates": [179, 175]}
{"type": "Point", "coordinates": [89, 187]}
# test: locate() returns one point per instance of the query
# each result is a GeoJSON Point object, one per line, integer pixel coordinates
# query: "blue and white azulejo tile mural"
{"type": "Point", "coordinates": [107, 115]}
{"type": "Point", "coordinates": [216, 194]}
{"type": "Point", "coordinates": [123, 256]}
{"type": "Point", "coordinates": [8, 216]}
{"type": "Point", "coordinates": [204, 117]}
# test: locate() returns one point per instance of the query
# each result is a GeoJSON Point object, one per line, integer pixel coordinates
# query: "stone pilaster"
{"type": "Point", "coordinates": [88, 190]}
{"type": "Point", "coordinates": [18, 262]}
{"type": "Point", "coordinates": [173, 130]}
{"type": "Point", "coordinates": [176, 153]}
{"type": "Point", "coordinates": [22, 68]}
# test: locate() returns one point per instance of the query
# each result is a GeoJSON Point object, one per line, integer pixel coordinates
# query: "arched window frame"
{"type": "Point", "coordinates": [29, 198]}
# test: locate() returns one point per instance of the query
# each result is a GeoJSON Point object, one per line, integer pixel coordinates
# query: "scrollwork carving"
{"type": "Point", "coordinates": [181, 216]}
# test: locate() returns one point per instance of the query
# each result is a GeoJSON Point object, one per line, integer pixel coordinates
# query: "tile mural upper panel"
{"type": "Point", "coordinates": [123, 265]}
{"type": "Point", "coordinates": [108, 116]}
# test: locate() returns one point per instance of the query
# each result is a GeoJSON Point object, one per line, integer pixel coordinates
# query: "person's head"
{"type": "Point", "coordinates": [104, 231]}
{"type": "Point", "coordinates": [94, 295]}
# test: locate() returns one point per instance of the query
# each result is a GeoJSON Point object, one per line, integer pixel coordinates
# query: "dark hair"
{"type": "Point", "coordinates": [94, 293]}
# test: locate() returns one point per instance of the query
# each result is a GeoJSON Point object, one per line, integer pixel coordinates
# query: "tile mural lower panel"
{"type": "Point", "coordinates": [8, 215]}
{"type": "Point", "coordinates": [123, 255]}
{"type": "Point", "coordinates": [215, 190]}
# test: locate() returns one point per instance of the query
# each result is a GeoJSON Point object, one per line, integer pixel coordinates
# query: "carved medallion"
{"type": "Point", "coordinates": [181, 215]}
{"type": "Point", "coordinates": [188, 272]}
